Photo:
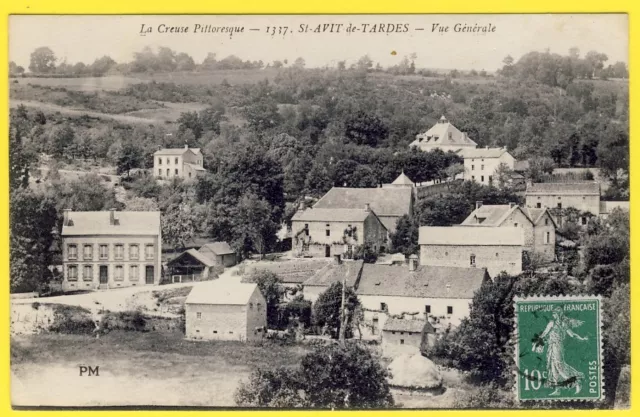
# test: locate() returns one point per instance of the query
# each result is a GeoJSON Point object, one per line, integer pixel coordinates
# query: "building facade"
{"type": "Point", "coordinates": [583, 196]}
{"type": "Point", "coordinates": [406, 336]}
{"type": "Point", "coordinates": [444, 136]}
{"type": "Point", "coordinates": [480, 165]}
{"type": "Point", "coordinates": [220, 253]}
{"type": "Point", "coordinates": [183, 163]}
{"type": "Point", "coordinates": [327, 232]}
{"type": "Point", "coordinates": [225, 310]}
{"type": "Point", "coordinates": [495, 248]}
{"type": "Point", "coordinates": [110, 249]}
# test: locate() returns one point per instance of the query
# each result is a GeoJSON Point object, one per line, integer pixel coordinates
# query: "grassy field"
{"type": "Point", "coordinates": [135, 369]}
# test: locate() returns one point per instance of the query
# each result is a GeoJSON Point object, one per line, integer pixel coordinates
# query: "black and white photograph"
{"type": "Point", "coordinates": [421, 211]}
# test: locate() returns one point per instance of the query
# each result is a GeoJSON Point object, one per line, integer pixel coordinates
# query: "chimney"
{"type": "Point", "coordinates": [512, 205]}
{"type": "Point", "coordinates": [367, 207]}
{"type": "Point", "coordinates": [337, 259]}
{"type": "Point", "coordinates": [65, 217]}
{"type": "Point", "coordinates": [112, 217]}
{"type": "Point", "coordinates": [301, 206]}
{"type": "Point", "coordinates": [478, 204]}
{"type": "Point", "coordinates": [413, 263]}
{"type": "Point", "coordinates": [186, 146]}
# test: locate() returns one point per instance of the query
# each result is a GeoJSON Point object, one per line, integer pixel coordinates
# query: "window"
{"type": "Point", "coordinates": [490, 179]}
{"type": "Point", "coordinates": [482, 178]}
{"type": "Point", "coordinates": [230, 332]}
{"type": "Point", "coordinates": [118, 251]}
{"type": "Point", "coordinates": [559, 205]}
{"type": "Point", "coordinates": [104, 251]}
{"type": "Point", "coordinates": [374, 328]}
{"type": "Point", "coordinates": [515, 225]}
{"type": "Point", "coordinates": [427, 309]}
{"type": "Point", "coordinates": [87, 273]}
{"type": "Point", "coordinates": [176, 171]}
{"type": "Point", "coordinates": [215, 332]}
{"type": "Point", "coordinates": [72, 252]}
{"type": "Point", "coordinates": [446, 254]}
{"type": "Point", "coordinates": [306, 229]}
{"type": "Point", "coordinates": [118, 273]}
{"type": "Point", "coordinates": [497, 254]}
{"type": "Point", "coordinates": [583, 220]}
{"type": "Point", "coordinates": [449, 309]}
{"type": "Point", "coordinates": [402, 341]}
{"type": "Point", "coordinates": [176, 161]}
{"type": "Point", "coordinates": [168, 172]}
{"type": "Point", "coordinates": [383, 306]}
{"type": "Point", "coordinates": [134, 252]}
{"type": "Point", "coordinates": [159, 172]}
{"type": "Point", "coordinates": [473, 178]}
{"type": "Point", "coordinates": [481, 167]}
{"type": "Point", "coordinates": [72, 273]}
{"type": "Point", "coordinates": [259, 306]}
{"type": "Point", "coordinates": [134, 272]}
{"type": "Point", "coordinates": [87, 252]}
{"type": "Point", "coordinates": [159, 161]}
{"type": "Point", "coordinates": [472, 260]}
{"type": "Point", "coordinates": [168, 161]}
{"type": "Point", "coordinates": [189, 175]}
{"type": "Point", "coordinates": [538, 205]}
{"type": "Point", "coordinates": [328, 231]}
{"type": "Point", "coordinates": [198, 315]}
{"type": "Point", "coordinates": [473, 167]}
{"type": "Point", "coordinates": [148, 252]}
{"type": "Point", "coordinates": [251, 306]}
{"type": "Point", "coordinates": [546, 222]}
{"type": "Point", "coordinates": [547, 238]}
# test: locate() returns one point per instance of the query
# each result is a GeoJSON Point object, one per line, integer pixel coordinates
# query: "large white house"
{"type": "Point", "coordinates": [480, 164]}
{"type": "Point", "coordinates": [178, 163]}
{"type": "Point", "coordinates": [443, 135]}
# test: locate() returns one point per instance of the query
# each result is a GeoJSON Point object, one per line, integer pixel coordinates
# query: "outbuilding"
{"type": "Point", "coordinates": [406, 336]}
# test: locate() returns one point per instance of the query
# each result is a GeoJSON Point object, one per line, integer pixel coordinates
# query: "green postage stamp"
{"type": "Point", "coordinates": [558, 348]}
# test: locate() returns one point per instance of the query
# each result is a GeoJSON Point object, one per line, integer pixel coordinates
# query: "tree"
{"type": "Point", "coordinates": [15, 69]}
{"type": "Point", "coordinates": [60, 138]}
{"type": "Point", "coordinates": [184, 62]}
{"type": "Point", "coordinates": [21, 156]}
{"type": "Point", "coordinates": [179, 225]}
{"type": "Point", "coordinates": [42, 60]}
{"type": "Point", "coordinates": [405, 238]}
{"type": "Point", "coordinates": [87, 193]}
{"type": "Point", "coordinates": [271, 288]}
{"type": "Point", "coordinates": [364, 63]}
{"type": "Point", "coordinates": [365, 129]}
{"type": "Point", "coordinates": [299, 63]}
{"type": "Point", "coordinates": [503, 176]}
{"type": "Point", "coordinates": [613, 154]}
{"type": "Point", "coordinates": [102, 65]}
{"type": "Point", "coordinates": [318, 181]}
{"type": "Point", "coordinates": [129, 157]}
{"type": "Point", "coordinates": [538, 167]}
{"type": "Point", "coordinates": [452, 171]}
{"type": "Point", "coordinates": [329, 377]}
{"type": "Point", "coordinates": [616, 337]}
{"type": "Point", "coordinates": [253, 227]}
{"type": "Point", "coordinates": [326, 310]}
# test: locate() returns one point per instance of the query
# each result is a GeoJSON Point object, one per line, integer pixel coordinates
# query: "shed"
{"type": "Point", "coordinates": [190, 265]}
{"type": "Point", "coordinates": [220, 252]}
{"type": "Point", "coordinates": [400, 336]}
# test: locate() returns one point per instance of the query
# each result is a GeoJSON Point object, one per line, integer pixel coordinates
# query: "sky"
{"type": "Point", "coordinates": [85, 38]}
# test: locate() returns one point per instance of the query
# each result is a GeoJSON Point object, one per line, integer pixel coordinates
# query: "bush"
{"type": "Point", "coordinates": [124, 320]}
{"type": "Point", "coordinates": [72, 320]}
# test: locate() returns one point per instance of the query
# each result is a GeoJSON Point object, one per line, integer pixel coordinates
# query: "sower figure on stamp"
{"type": "Point", "coordinates": [559, 373]}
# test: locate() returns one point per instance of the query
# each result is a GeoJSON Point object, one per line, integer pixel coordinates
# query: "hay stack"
{"type": "Point", "coordinates": [414, 371]}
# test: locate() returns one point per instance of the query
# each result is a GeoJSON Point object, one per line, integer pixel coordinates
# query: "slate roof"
{"type": "Point", "coordinates": [438, 134]}
{"type": "Point", "coordinates": [491, 215]}
{"type": "Point", "coordinates": [403, 180]}
{"type": "Point", "coordinates": [425, 282]}
{"type": "Point", "coordinates": [219, 248]}
{"type": "Point", "coordinates": [468, 153]}
{"type": "Point", "coordinates": [564, 188]}
{"type": "Point", "coordinates": [99, 223]}
{"type": "Point", "coordinates": [331, 214]}
{"type": "Point", "coordinates": [336, 273]}
{"type": "Point", "coordinates": [176, 151]}
{"type": "Point", "coordinates": [221, 292]}
{"type": "Point", "coordinates": [291, 272]}
{"type": "Point", "coordinates": [392, 201]}
{"type": "Point", "coordinates": [471, 236]}
{"type": "Point", "coordinates": [200, 257]}
{"type": "Point", "coordinates": [409, 326]}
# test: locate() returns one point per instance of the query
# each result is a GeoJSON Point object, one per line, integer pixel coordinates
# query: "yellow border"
{"type": "Point", "coordinates": [304, 7]}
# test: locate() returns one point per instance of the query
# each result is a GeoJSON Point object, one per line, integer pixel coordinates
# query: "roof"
{"type": "Point", "coordinates": [221, 291]}
{"type": "Point", "coordinates": [99, 223]}
{"type": "Point", "coordinates": [176, 151]}
{"type": "Point", "coordinates": [471, 236]}
{"type": "Point", "coordinates": [393, 201]}
{"type": "Point", "coordinates": [331, 214]}
{"type": "Point", "coordinates": [403, 325]}
{"type": "Point", "coordinates": [443, 133]}
{"type": "Point", "coordinates": [290, 272]}
{"type": "Point", "coordinates": [521, 166]}
{"type": "Point", "coordinates": [564, 188]}
{"type": "Point", "coordinates": [402, 180]}
{"type": "Point", "coordinates": [607, 207]}
{"type": "Point", "coordinates": [491, 215]}
{"type": "Point", "coordinates": [535, 213]}
{"type": "Point", "coordinates": [482, 152]}
{"type": "Point", "coordinates": [425, 282]}
{"type": "Point", "coordinates": [389, 222]}
{"type": "Point", "coordinates": [200, 257]}
{"type": "Point", "coordinates": [196, 167]}
{"type": "Point", "coordinates": [336, 273]}
{"type": "Point", "coordinates": [219, 248]}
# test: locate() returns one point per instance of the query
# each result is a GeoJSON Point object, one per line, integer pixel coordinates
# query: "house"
{"type": "Point", "coordinates": [347, 271]}
{"type": "Point", "coordinates": [110, 249]}
{"type": "Point", "coordinates": [495, 248]}
{"type": "Point", "coordinates": [225, 310]}
{"type": "Point", "coordinates": [220, 252]}
{"type": "Point", "coordinates": [324, 232]}
{"type": "Point", "coordinates": [292, 273]}
{"type": "Point", "coordinates": [439, 294]}
{"type": "Point", "coordinates": [537, 224]}
{"type": "Point", "coordinates": [406, 336]}
{"type": "Point", "coordinates": [583, 196]}
{"type": "Point", "coordinates": [389, 203]}
{"type": "Point", "coordinates": [183, 163]}
{"type": "Point", "coordinates": [443, 135]}
{"type": "Point", "coordinates": [480, 164]}
{"type": "Point", "coordinates": [401, 181]}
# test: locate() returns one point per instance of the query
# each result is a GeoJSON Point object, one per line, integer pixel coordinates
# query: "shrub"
{"type": "Point", "coordinates": [72, 320]}
{"type": "Point", "coordinates": [124, 320]}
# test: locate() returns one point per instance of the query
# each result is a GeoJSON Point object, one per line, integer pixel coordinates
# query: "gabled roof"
{"type": "Point", "coordinates": [336, 273]}
{"type": "Point", "coordinates": [409, 326]}
{"type": "Point", "coordinates": [176, 151]}
{"type": "Point", "coordinates": [392, 201]}
{"type": "Point", "coordinates": [424, 282]}
{"type": "Point", "coordinates": [443, 133]}
{"type": "Point", "coordinates": [535, 214]}
{"type": "Point", "coordinates": [564, 188]}
{"type": "Point", "coordinates": [294, 271]}
{"type": "Point", "coordinates": [403, 180]}
{"type": "Point", "coordinates": [221, 292]}
{"type": "Point", "coordinates": [471, 236]}
{"type": "Point", "coordinates": [468, 153]}
{"type": "Point", "coordinates": [330, 214]}
{"type": "Point", "coordinates": [99, 223]}
{"type": "Point", "coordinates": [200, 257]}
{"type": "Point", "coordinates": [219, 248]}
{"type": "Point", "coordinates": [489, 215]}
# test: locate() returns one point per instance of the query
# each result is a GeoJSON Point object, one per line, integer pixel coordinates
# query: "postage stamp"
{"type": "Point", "coordinates": [559, 348]}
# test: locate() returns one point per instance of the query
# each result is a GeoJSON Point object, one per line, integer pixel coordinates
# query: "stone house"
{"type": "Point", "coordinates": [495, 248]}
{"type": "Point", "coordinates": [406, 336]}
{"type": "Point", "coordinates": [183, 163]}
{"type": "Point", "coordinates": [583, 196]}
{"type": "Point", "coordinates": [225, 310]}
{"type": "Point", "coordinates": [444, 136]}
{"type": "Point", "coordinates": [326, 232]}
{"type": "Point", "coordinates": [110, 249]}
{"type": "Point", "coordinates": [339, 270]}
{"type": "Point", "coordinates": [537, 224]}
{"type": "Point", "coordinates": [480, 164]}
{"type": "Point", "coordinates": [439, 294]}
{"type": "Point", "coordinates": [220, 252]}
{"type": "Point", "coordinates": [389, 203]}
